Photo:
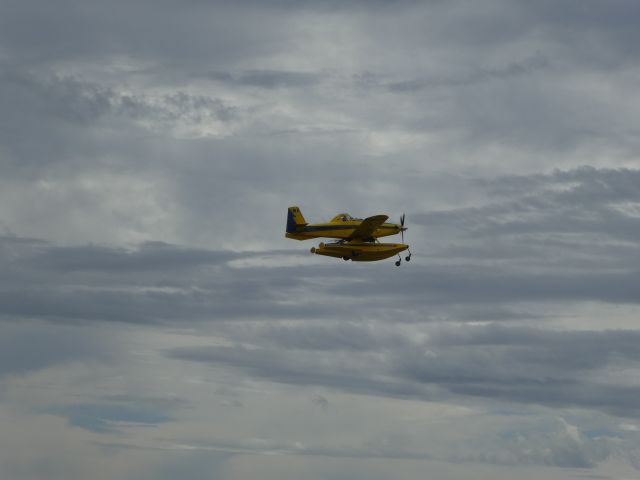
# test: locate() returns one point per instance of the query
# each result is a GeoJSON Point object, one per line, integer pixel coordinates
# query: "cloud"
{"type": "Point", "coordinates": [480, 75]}
{"type": "Point", "coordinates": [148, 152]}
{"type": "Point", "coordinates": [268, 79]}
{"type": "Point", "coordinates": [79, 103]}
{"type": "Point", "coordinates": [512, 364]}
{"type": "Point", "coordinates": [108, 418]}
{"type": "Point", "coordinates": [562, 237]}
{"type": "Point", "coordinates": [155, 282]}
{"type": "Point", "coordinates": [554, 443]}
{"type": "Point", "coordinates": [26, 347]}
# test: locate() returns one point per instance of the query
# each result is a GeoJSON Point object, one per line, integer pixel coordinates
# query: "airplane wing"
{"type": "Point", "coordinates": [368, 226]}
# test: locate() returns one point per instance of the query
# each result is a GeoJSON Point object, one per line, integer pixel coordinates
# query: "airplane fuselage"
{"type": "Point", "coordinates": [340, 230]}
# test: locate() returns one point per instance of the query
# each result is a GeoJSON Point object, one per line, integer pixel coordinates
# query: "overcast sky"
{"type": "Point", "coordinates": [156, 324]}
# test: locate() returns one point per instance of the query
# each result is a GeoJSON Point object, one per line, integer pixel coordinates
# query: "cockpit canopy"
{"type": "Point", "coordinates": [343, 217]}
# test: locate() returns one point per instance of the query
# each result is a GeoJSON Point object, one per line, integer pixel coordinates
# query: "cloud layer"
{"type": "Point", "coordinates": [155, 322]}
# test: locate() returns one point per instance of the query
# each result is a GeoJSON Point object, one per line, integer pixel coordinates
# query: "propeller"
{"type": "Point", "coordinates": [402, 227]}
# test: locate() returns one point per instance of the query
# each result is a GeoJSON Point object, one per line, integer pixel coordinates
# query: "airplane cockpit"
{"type": "Point", "coordinates": [343, 217]}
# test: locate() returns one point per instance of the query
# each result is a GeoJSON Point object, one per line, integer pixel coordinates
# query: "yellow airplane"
{"type": "Point", "coordinates": [357, 238]}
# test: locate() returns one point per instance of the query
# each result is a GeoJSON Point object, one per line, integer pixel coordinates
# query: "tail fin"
{"type": "Point", "coordinates": [294, 219]}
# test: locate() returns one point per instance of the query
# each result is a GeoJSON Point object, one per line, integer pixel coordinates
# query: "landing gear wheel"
{"type": "Point", "coordinates": [345, 258]}
{"type": "Point", "coordinates": [408, 258]}
{"type": "Point", "coordinates": [398, 263]}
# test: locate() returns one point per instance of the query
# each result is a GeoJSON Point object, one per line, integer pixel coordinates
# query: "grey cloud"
{"type": "Point", "coordinates": [530, 365]}
{"type": "Point", "coordinates": [592, 475]}
{"type": "Point", "coordinates": [163, 296]}
{"type": "Point", "coordinates": [155, 282]}
{"type": "Point", "coordinates": [592, 23]}
{"type": "Point", "coordinates": [577, 220]}
{"type": "Point", "coordinates": [197, 123]}
{"type": "Point", "coordinates": [272, 446]}
{"type": "Point", "coordinates": [175, 107]}
{"type": "Point", "coordinates": [585, 33]}
{"type": "Point", "coordinates": [105, 418]}
{"type": "Point", "coordinates": [511, 364]}
{"type": "Point", "coordinates": [80, 101]}
{"type": "Point", "coordinates": [195, 466]}
{"type": "Point", "coordinates": [479, 75]}
{"type": "Point", "coordinates": [341, 371]}
{"type": "Point", "coordinates": [578, 350]}
{"type": "Point", "coordinates": [84, 283]}
{"type": "Point", "coordinates": [589, 182]}
{"type": "Point", "coordinates": [26, 347]}
{"type": "Point", "coordinates": [266, 78]}
{"type": "Point", "coordinates": [148, 256]}
{"type": "Point", "coordinates": [63, 126]}
{"type": "Point", "coordinates": [187, 35]}
{"type": "Point", "coordinates": [552, 445]}
{"type": "Point", "coordinates": [470, 283]}
{"type": "Point", "coordinates": [615, 400]}
{"type": "Point", "coordinates": [350, 337]}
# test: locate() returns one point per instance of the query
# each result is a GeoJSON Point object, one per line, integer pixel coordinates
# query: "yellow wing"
{"type": "Point", "coordinates": [368, 226]}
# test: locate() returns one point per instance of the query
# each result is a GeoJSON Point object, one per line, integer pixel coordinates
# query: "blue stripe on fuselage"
{"type": "Point", "coordinates": [329, 227]}
{"type": "Point", "coordinates": [322, 228]}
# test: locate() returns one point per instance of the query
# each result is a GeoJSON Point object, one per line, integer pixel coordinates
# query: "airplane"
{"type": "Point", "coordinates": [357, 238]}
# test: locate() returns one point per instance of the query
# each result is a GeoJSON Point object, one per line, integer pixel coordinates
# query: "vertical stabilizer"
{"type": "Point", "coordinates": [294, 219]}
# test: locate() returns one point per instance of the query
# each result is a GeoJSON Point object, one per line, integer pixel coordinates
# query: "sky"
{"type": "Point", "coordinates": [156, 324]}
